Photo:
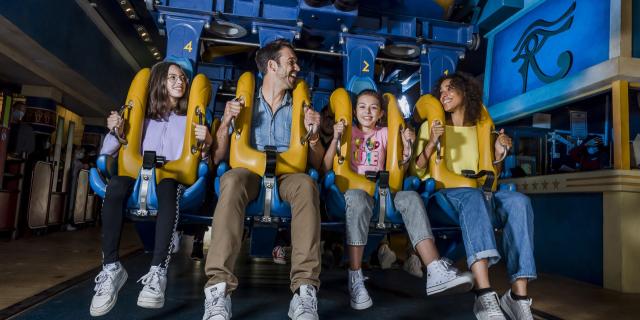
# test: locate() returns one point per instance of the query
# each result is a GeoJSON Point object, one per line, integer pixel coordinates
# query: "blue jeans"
{"type": "Point", "coordinates": [510, 211]}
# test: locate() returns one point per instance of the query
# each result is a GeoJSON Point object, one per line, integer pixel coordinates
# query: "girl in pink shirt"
{"type": "Point", "coordinates": [369, 145]}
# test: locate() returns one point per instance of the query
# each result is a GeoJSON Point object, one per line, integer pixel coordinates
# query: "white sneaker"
{"type": "Point", "coordinates": [108, 282]}
{"type": "Point", "coordinates": [516, 309]}
{"type": "Point", "coordinates": [152, 294]}
{"type": "Point", "coordinates": [360, 298]}
{"type": "Point", "coordinates": [413, 265]}
{"type": "Point", "coordinates": [386, 256]}
{"type": "Point", "coordinates": [444, 278]}
{"type": "Point", "coordinates": [217, 303]}
{"type": "Point", "coordinates": [487, 307]}
{"type": "Point", "coordinates": [305, 305]}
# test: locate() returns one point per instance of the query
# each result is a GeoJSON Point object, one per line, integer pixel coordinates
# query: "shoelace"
{"type": "Point", "coordinates": [151, 280]}
{"type": "Point", "coordinates": [491, 304]}
{"type": "Point", "coordinates": [215, 306]}
{"type": "Point", "coordinates": [308, 302]}
{"type": "Point", "coordinates": [448, 265]}
{"type": "Point", "coordinates": [104, 282]}
{"type": "Point", "coordinates": [357, 285]}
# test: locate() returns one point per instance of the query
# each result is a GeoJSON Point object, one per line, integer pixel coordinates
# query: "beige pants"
{"type": "Point", "coordinates": [238, 187]}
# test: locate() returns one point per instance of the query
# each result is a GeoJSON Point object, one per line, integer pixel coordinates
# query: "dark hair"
{"type": "Point", "coordinates": [471, 94]}
{"type": "Point", "coordinates": [271, 51]}
{"type": "Point", "coordinates": [381, 101]}
{"type": "Point", "coordinates": [158, 103]}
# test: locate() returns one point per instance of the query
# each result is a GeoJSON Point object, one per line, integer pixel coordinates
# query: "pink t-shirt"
{"type": "Point", "coordinates": [369, 150]}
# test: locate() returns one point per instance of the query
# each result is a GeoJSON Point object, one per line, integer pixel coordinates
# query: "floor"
{"type": "Point", "coordinates": [33, 264]}
{"type": "Point", "coordinates": [263, 292]}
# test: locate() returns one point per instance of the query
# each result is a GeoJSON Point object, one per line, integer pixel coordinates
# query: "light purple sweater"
{"type": "Point", "coordinates": [165, 137]}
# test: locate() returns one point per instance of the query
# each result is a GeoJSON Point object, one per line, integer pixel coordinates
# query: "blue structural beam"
{"type": "Point", "coordinates": [184, 21]}
{"type": "Point", "coordinates": [497, 11]}
{"type": "Point", "coordinates": [436, 61]}
{"type": "Point", "coordinates": [359, 61]}
{"type": "Point", "coordinates": [268, 32]}
{"type": "Point", "coordinates": [326, 17]}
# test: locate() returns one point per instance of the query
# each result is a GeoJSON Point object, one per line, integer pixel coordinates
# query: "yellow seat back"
{"type": "Point", "coordinates": [242, 155]}
{"type": "Point", "coordinates": [430, 109]}
{"type": "Point", "coordinates": [346, 179]}
{"type": "Point", "coordinates": [184, 169]}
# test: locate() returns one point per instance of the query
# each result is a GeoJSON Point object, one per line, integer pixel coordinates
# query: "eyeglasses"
{"type": "Point", "coordinates": [172, 78]}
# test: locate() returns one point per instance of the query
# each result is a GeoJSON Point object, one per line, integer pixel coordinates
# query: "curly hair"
{"type": "Point", "coordinates": [159, 105]}
{"type": "Point", "coordinates": [469, 90]}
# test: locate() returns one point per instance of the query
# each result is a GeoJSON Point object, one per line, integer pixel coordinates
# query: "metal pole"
{"type": "Point", "coordinates": [326, 53]}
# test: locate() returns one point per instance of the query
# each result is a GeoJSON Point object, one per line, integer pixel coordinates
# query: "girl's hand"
{"type": "Point", "coordinates": [408, 136]}
{"type": "Point", "coordinates": [338, 129]}
{"type": "Point", "coordinates": [115, 121]}
{"type": "Point", "coordinates": [502, 143]}
{"type": "Point", "coordinates": [202, 134]}
{"type": "Point", "coordinates": [436, 131]}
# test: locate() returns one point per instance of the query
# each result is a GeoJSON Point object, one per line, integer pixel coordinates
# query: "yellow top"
{"type": "Point", "coordinates": [462, 153]}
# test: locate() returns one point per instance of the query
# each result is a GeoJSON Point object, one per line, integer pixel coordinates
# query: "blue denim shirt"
{"type": "Point", "coordinates": [270, 129]}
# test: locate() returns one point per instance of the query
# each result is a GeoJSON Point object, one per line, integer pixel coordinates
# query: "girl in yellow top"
{"type": "Point", "coordinates": [461, 99]}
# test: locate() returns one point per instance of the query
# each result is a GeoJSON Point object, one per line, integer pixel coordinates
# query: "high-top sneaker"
{"type": "Point", "coordinates": [443, 278]}
{"type": "Point", "coordinates": [360, 298]}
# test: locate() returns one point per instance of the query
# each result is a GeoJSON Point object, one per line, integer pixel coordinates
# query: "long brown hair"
{"type": "Point", "coordinates": [469, 90]}
{"type": "Point", "coordinates": [381, 101]}
{"type": "Point", "coordinates": [159, 105]}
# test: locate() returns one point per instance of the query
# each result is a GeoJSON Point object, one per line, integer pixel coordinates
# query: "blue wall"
{"type": "Point", "coordinates": [568, 235]}
{"type": "Point", "coordinates": [587, 41]}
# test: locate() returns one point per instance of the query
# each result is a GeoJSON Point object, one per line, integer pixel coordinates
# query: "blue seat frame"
{"type": "Point", "coordinates": [263, 234]}
{"type": "Point", "coordinates": [190, 202]}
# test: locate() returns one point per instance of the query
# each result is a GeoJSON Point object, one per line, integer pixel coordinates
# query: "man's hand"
{"type": "Point", "coordinates": [231, 111]}
{"type": "Point", "coordinates": [311, 118]}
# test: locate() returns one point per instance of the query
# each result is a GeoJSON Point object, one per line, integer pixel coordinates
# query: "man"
{"type": "Point", "coordinates": [271, 125]}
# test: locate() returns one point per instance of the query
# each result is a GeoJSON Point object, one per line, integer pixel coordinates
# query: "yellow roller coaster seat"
{"type": "Point", "coordinates": [243, 155]}
{"type": "Point", "coordinates": [184, 169]}
{"type": "Point", "coordinates": [430, 109]}
{"type": "Point", "coordinates": [346, 179]}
